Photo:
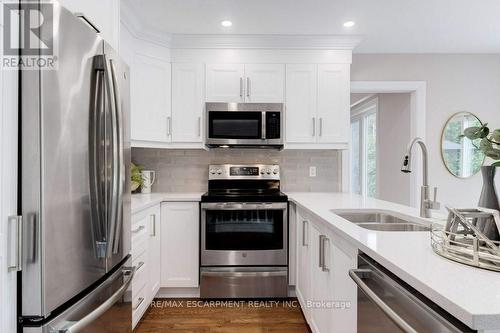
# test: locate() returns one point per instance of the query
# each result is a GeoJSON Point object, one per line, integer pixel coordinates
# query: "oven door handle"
{"type": "Point", "coordinates": [240, 273]}
{"type": "Point", "coordinates": [244, 206]}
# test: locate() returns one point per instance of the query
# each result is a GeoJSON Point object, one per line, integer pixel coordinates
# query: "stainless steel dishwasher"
{"type": "Point", "coordinates": [387, 304]}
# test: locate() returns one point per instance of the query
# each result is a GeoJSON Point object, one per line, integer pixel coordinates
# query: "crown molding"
{"type": "Point", "coordinates": [317, 42]}
{"type": "Point", "coordinates": [142, 31]}
{"type": "Point", "coordinates": [138, 29]}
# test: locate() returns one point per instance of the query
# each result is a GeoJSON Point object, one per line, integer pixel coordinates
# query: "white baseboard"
{"type": "Point", "coordinates": [195, 292]}
{"type": "Point", "coordinates": [178, 293]}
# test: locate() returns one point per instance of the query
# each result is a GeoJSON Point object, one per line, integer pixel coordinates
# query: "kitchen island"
{"type": "Point", "coordinates": [469, 294]}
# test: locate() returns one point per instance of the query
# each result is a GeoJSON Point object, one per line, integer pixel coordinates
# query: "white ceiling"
{"type": "Point", "coordinates": [387, 26]}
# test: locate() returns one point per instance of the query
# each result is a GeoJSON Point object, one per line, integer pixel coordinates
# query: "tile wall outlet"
{"type": "Point", "coordinates": [312, 171]}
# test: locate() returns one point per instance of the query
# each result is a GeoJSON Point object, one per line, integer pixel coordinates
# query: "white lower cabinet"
{"type": "Point", "coordinates": [146, 257]}
{"type": "Point", "coordinates": [327, 295]}
{"type": "Point", "coordinates": [180, 244]}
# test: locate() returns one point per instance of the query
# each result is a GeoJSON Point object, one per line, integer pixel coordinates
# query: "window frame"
{"type": "Point", "coordinates": [360, 114]}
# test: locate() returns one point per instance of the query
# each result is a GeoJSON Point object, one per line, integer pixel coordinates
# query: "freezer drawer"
{"type": "Point", "coordinates": [387, 304]}
{"type": "Point", "coordinates": [108, 308]}
{"type": "Point", "coordinates": [243, 282]}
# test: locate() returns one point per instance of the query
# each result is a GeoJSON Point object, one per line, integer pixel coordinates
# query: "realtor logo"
{"type": "Point", "coordinates": [28, 35]}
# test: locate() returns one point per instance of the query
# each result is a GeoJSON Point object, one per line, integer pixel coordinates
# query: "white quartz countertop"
{"type": "Point", "coordinates": [470, 294]}
{"type": "Point", "coordinates": [143, 201]}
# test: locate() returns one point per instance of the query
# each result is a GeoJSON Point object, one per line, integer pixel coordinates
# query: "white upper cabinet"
{"type": "Point", "coordinates": [187, 102]}
{"type": "Point", "coordinates": [257, 83]}
{"type": "Point", "coordinates": [333, 103]}
{"type": "Point", "coordinates": [225, 83]}
{"type": "Point", "coordinates": [317, 106]}
{"type": "Point", "coordinates": [301, 99]}
{"type": "Point", "coordinates": [151, 99]}
{"type": "Point", "coordinates": [264, 83]}
{"type": "Point", "coordinates": [104, 15]}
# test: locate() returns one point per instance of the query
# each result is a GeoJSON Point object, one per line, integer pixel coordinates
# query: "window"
{"type": "Point", "coordinates": [364, 149]}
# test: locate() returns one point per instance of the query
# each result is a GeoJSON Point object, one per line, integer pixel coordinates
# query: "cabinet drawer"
{"type": "Point", "coordinates": [139, 305]}
{"type": "Point", "coordinates": [140, 277]}
{"type": "Point", "coordinates": [139, 238]}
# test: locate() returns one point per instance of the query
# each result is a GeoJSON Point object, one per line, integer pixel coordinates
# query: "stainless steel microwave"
{"type": "Point", "coordinates": [244, 125]}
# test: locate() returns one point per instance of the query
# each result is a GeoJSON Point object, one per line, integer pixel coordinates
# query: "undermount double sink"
{"type": "Point", "coordinates": [379, 220]}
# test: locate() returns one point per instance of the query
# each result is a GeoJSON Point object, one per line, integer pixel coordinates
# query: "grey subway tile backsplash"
{"type": "Point", "coordinates": [187, 170]}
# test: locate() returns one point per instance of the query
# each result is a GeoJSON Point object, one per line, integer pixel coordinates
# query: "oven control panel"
{"type": "Point", "coordinates": [256, 171]}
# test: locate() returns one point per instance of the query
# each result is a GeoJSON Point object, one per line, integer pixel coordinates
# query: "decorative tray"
{"type": "Point", "coordinates": [464, 238]}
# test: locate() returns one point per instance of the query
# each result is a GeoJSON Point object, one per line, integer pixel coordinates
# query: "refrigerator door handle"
{"type": "Point", "coordinates": [120, 175]}
{"type": "Point", "coordinates": [77, 326]}
{"type": "Point", "coordinates": [113, 204]}
{"type": "Point", "coordinates": [97, 142]}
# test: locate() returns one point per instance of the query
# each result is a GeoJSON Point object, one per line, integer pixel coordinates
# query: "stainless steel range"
{"type": "Point", "coordinates": [244, 233]}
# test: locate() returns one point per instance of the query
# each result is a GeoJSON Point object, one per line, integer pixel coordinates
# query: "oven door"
{"type": "Point", "coordinates": [235, 128]}
{"type": "Point", "coordinates": [244, 234]}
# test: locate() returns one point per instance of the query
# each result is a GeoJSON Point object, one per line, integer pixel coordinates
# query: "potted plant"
{"type": "Point", "coordinates": [135, 176]}
{"type": "Point", "coordinates": [489, 144]}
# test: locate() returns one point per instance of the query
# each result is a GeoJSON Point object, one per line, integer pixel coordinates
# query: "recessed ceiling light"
{"type": "Point", "coordinates": [349, 24]}
{"type": "Point", "coordinates": [226, 23]}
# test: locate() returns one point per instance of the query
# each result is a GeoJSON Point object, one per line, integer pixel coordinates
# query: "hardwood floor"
{"type": "Point", "coordinates": [234, 316]}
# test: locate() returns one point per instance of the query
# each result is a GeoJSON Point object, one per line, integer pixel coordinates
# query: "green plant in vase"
{"type": "Point", "coordinates": [490, 141]}
{"type": "Point", "coordinates": [135, 176]}
{"type": "Point", "coordinates": [489, 144]}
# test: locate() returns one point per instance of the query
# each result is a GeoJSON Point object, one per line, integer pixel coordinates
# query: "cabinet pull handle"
{"type": "Point", "coordinates": [153, 225]}
{"type": "Point", "coordinates": [19, 243]}
{"type": "Point", "coordinates": [139, 266]}
{"type": "Point", "coordinates": [322, 253]}
{"type": "Point", "coordinates": [314, 126]}
{"type": "Point", "coordinates": [304, 228]}
{"type": "Point", "coordinates": [241, 87]}
{"type": "Point", "coordinates": [141, 299]}
{"type": "Point", "coordinates": [199, 127]}
{"type": "Point", "coordinates": [169, 126]}
{"type": "Point", "coordinates": [135, 231]}
{"type": "Point", "coordinates": [320, 126]}
{"type": "Point", "coordinates": [248, 86]}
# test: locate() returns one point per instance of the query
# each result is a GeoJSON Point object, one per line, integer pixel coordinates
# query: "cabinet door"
{"type": "Point", "coordinates": [323, 287]}
{"type": "Point", "coordinates": [187, 102]}
{"type": "Point", "coordinates": [150, 99]}
{"type": "Point", "coordinates": [302, 283]}
{"type": "Point", "coordinates": [103, 15]}
{"type": "Point", "coordinates": [264, 83]}
{"type": "Point", "coordinates": [344, 258]}
{"type": "Point", "coordinates": [180, 244]}
{"type": "Point", "coordinates": [301, 91]}
{"type": "Point", "coordinates": [333, 103]}
{"type": "Point", "coordinates": [154, 251]}
{"type": "Point", "coordinates": [225, 83]}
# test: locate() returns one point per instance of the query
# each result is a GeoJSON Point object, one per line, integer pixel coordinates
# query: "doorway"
{"type": "Point", "coordinates": [380, 131]}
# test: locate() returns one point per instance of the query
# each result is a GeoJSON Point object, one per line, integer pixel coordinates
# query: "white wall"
{"type": "Point", "coordinates": [393, 134]}
{"type": "Point", "coordinates": [454, 83]}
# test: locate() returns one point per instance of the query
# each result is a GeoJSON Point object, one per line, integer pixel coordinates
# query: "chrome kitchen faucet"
{"type": "Point", "coordinates": [426, 204]}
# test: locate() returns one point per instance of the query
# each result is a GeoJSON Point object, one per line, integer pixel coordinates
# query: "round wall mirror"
{"type": "Point", "coordinates": [461, 156]}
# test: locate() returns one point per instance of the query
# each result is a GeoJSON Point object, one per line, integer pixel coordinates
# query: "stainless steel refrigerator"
{"type": "Point", "coordinates": [75, 271]}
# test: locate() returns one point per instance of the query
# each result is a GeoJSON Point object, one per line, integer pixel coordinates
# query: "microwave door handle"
{"type": "Point", "coordinates": [400, 322]}
{"type": "Point", "coordinates": [263, 131]}
{"type": "Point", "coordinates": [241, 87]}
